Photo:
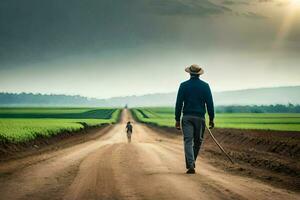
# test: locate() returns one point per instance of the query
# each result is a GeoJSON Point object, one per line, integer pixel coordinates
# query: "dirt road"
{"type": "Point", "coordinates": [151, 167]}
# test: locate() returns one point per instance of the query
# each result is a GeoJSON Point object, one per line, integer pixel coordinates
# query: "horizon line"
{"type": "Point", "coordinates": [123, 96]}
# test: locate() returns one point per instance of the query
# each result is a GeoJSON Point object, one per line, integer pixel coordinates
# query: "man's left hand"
{"type": "Point", "coordinates": [211, 124]}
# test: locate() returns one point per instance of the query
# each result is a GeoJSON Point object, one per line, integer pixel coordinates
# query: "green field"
{"type": "Point", "coordinates": [266, 121]}
{"type": "Point", "coordinates": [24, 124]}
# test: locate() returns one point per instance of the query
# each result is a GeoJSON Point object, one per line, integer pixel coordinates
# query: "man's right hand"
{"type": "Point", "coordinates": [177, 125]}
{"type": "Point", "coordinates": [211, 124]}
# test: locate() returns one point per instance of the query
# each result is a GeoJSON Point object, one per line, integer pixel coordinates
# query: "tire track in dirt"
{"type": "Point", "coordinates": [95, 178]}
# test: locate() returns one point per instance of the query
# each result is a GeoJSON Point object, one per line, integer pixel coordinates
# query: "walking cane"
{"type": "Point", "coordinates": [215, 140]}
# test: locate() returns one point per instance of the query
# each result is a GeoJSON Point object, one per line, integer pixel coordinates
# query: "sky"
{"type": "Point", "coordinates": [107, 48]}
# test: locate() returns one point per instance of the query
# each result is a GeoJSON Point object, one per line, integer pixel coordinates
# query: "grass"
{"type": "Point", "coordinates": [267, 121]}
{"type": "Point", "coordinates": [25, 124]}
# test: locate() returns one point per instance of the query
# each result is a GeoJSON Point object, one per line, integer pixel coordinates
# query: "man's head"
{"type": "Point", "coordinates": [194, 70]}
{"type": "Point", "coordinates": [128, 122]}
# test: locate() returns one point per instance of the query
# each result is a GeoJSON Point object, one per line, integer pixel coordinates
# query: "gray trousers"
{"type": "Point", "coordinates": [193, 131]}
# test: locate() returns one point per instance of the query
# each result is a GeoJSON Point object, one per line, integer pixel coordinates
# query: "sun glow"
{"type": "Point", "coordinates": [288, 21]}
{"type": "Point", "coordinates": [295, 3]}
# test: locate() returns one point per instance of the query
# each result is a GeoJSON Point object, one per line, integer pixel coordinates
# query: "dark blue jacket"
{"type": "Point", "coordinates": [193, 96]}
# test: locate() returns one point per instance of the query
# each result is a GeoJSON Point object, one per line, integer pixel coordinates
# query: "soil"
{"type": "Point", "coordinates": [271, 156]}
{"type": "Point", "coordinates": [152, 166]}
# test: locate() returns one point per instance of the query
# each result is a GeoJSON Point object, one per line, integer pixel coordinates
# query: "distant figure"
{"type": "Point", "coordinates": [129, 131]}
{"type": "Point", "coordinates": [193, 97]}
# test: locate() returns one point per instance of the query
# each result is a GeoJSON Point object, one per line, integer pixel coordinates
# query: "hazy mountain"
{"type": "Point", "coordinates": [260, 96]}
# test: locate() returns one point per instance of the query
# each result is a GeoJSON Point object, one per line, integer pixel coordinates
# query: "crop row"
{"type": "Point", "coordinates": [59, 113]}
{"type": "Point", "coordinates": [25, 129]}
{"type": "Point", "coordinates": [266, 121]}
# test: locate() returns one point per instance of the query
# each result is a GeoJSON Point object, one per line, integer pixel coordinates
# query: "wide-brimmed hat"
{"type": "Point", "coordinates": [194, 69]}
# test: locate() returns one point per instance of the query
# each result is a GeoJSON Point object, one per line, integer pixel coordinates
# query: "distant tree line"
{"type": "Point", "coordinates": [30, 99]}
{"type": "Point", "coordinates": [290, 108]}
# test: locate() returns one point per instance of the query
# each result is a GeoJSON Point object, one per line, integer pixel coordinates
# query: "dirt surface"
{"type": "Point", "coordinates": [107, 167]}
{"type": "Point", "coordinates": [271, 156]}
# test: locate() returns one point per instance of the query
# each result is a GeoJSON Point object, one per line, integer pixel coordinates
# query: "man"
{"type": "Point", "coordinates": [129, 131]}
{"type": "Point", "coordinates": [193, 97]}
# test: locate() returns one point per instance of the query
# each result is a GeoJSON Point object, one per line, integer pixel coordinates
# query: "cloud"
{"type": "Point", "coordinates": [253, 15]}
{"type": "Point", "coordinates": [51, 29]}
{"type": "Point", "coordinates": [281, 4]}
{"type": "Point", "coordinates": [35, 30]}
{"type": "Point", "coordinates": [188, 7]}
{"type": "Point", "coordinates": [41, 31]}
{"type": "Point", "coordinates": [230, 2]}
{"type": "Point", "coordinates": [265, 1]}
